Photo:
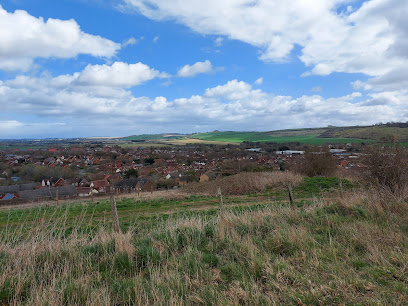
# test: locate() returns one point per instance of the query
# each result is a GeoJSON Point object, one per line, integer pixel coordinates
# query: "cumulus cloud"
{"type": "Point", "coordinates": [197, 68]}
{"type": "Point", "coordinates": [370, 39]}
{"type": "Point", "coordinates": [24, 38]}
{"type": "Point", "coordinates": [100, 109]}
{"type": "Point", "coordinates": [118, 74]}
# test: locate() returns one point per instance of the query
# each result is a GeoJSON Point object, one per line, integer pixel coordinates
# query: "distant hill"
{"type": "Point", "coordinates": [314, 136]}
{"type": "Point", "coordinates": [146, 137]}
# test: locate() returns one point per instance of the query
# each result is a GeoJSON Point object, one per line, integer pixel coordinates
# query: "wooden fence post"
{"type": "Point", "coordinates": [91, 194]}
{"type": "Point", "coordinates": [341, 187]}
{"type": "Point", "coordinates": [151, 189]}
{"type": "Point", "coordinates": [138, 191]}
{"type": "Point", "coordinates": [114, 214]}
{"type": "Point", "coordinates": [292, 205]}
{"type": "Point", "coordinates": [57, 198]}
{"type": "Point", "coordinates": [219, 195]}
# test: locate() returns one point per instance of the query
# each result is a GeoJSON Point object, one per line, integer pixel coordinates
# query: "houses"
{"type": "Point", "coordinates": [129, 185]}
{"type": "Point", "coordinates": [101, 186]}
{"type": "Point", "coordinates": [290, 152]}
{"type": "Point", "coordinates": [208, 176]}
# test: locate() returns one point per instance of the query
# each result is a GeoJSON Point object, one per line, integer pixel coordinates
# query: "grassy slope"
{"type": "Point", "coordinates": [378, 133]}
{"type": "Point", "coordinates": [313, 136]}
{"type": "Point", "coordinates": [270, 137]}
{"type": "Point", "coordinates": [259, 252]}
{"type": "Point", "coordinates": [152, 137]}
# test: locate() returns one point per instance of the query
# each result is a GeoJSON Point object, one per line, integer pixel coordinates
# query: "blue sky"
{"type": "Point", "coordinates": [117, 68]}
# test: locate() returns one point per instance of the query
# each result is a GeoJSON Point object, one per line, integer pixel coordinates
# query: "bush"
{"type": "Point", "coordinates": [318, 162]}
{"type": "Point", "coordinates": [131, 173]}
{"type": "Point", "coordinates": [387, 169]}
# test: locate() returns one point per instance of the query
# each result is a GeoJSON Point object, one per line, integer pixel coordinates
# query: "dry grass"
{"type": "Point", "coordinates": [245, 182]}
{"type": "Point", "coordinates": [352, 251]}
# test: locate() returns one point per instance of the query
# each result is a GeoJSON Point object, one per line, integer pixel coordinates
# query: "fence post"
{"type": "Point", "coordinates": [341, 187]}
{"type": "Point", "coordinates": [114, 214]}
{"type": "Point", "coordinates": [57, 198]}
{"type": "Point", "coordinates": [292, 205]}
{"type": "Point", "coordinates": [91, 194]}
{"type": "Point", "coordinates": [219, 195]}
{"type": "Point", "coordinates": [151, 189]}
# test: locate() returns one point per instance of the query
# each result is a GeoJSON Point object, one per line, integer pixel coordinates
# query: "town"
{"type": "Point", "coordinates": [89, 168]}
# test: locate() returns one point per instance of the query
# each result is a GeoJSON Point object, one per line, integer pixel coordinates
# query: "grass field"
{"type": "Point", "coordinates": [189, 140]}
{"type": "Point", "coordinates": [265, 137]}
{"type": "Point", "coordinates": [180, 250]}
{"type": "Point", "coordinates": [153, 137]}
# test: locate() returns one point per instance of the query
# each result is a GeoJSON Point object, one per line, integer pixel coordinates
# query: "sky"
{"type": "Point", "coordinates": [81, 68]}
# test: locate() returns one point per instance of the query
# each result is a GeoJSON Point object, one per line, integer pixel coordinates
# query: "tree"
{"type": "Point", "coordinates": [149, 161]}
{"type": "Point", "coordinates": [131, 173]}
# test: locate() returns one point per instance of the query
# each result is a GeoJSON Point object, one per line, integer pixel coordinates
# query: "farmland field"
{"type": "Point", "coordinates": [264, 137]}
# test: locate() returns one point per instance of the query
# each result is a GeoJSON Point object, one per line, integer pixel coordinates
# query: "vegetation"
{"type": "Point", "coordinates": [152, 137]}
{"type": "Point", "coordinates": [318, 162]}
{"type": "Point", "coordinates": [313, 139]}
{"type": "Point", "coordinates": [131, 173]}
{"type": "Point", "coordinates": [351, 251]}
{"type": "Point", "coordinates": [387, 169]}
{"type": "Point", "coordinates": [245, 183]}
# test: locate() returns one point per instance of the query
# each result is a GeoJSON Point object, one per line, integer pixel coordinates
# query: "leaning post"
{"type": "Point", "coordinates": [292, 204]}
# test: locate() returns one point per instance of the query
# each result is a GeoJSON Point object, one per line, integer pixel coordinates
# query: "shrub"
{"type": "Point", "coordinates": [318, 162]}
{"type": "Point", "coordinates": [387, 169]}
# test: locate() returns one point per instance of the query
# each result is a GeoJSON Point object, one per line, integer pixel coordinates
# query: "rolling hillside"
{"type": "Point", "coordinates": [315, 136]}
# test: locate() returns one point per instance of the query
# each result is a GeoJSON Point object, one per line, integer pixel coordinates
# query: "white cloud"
{"type": "Point", "coordinates": [197, 68]}
{"type": "Point", "coordinates": [258, 81]}
{"type": "Point", "coordinates": [119, 74]}
{"type": "Point", "coordinates": [155, 39]}
{"type": "Point", "coordinates": [218, 41]}
{"type": "Point", "coordinates": [24, 38]}
{"type": "Point", "coordinates": [316, 89]}
{"type": "Point", "coordinates": [104, 110]}
{"type": "Point", "coordinates": [128, 42]}
{"type": "Point", "coordinates": [370, 39]}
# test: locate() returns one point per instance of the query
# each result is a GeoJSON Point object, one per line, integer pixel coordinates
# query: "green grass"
{"type": "Point", "coordinates": [152, 137]}
{"type": "Point", "coordinates": [264, 137]}
{"type": "Point", "coordinates": [181, 251]}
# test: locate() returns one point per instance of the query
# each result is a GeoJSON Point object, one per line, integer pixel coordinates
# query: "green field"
{"type": "Point", "coordinates": [152, 137]}
{"type": "Point", "coordinates": [264, 137]}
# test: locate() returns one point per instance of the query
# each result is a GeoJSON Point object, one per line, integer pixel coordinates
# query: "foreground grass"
{"type": "Point", "coordinates": [352, 251]}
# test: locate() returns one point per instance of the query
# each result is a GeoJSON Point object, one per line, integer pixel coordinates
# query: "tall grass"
{"type": "Point", "coordinates": [245, 182]}
{"type": "Point", "coordinates": [352, 251]}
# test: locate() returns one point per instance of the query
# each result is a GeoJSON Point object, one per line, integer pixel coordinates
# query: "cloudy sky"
{"type": "Point", "coordinates": [76, 68]}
